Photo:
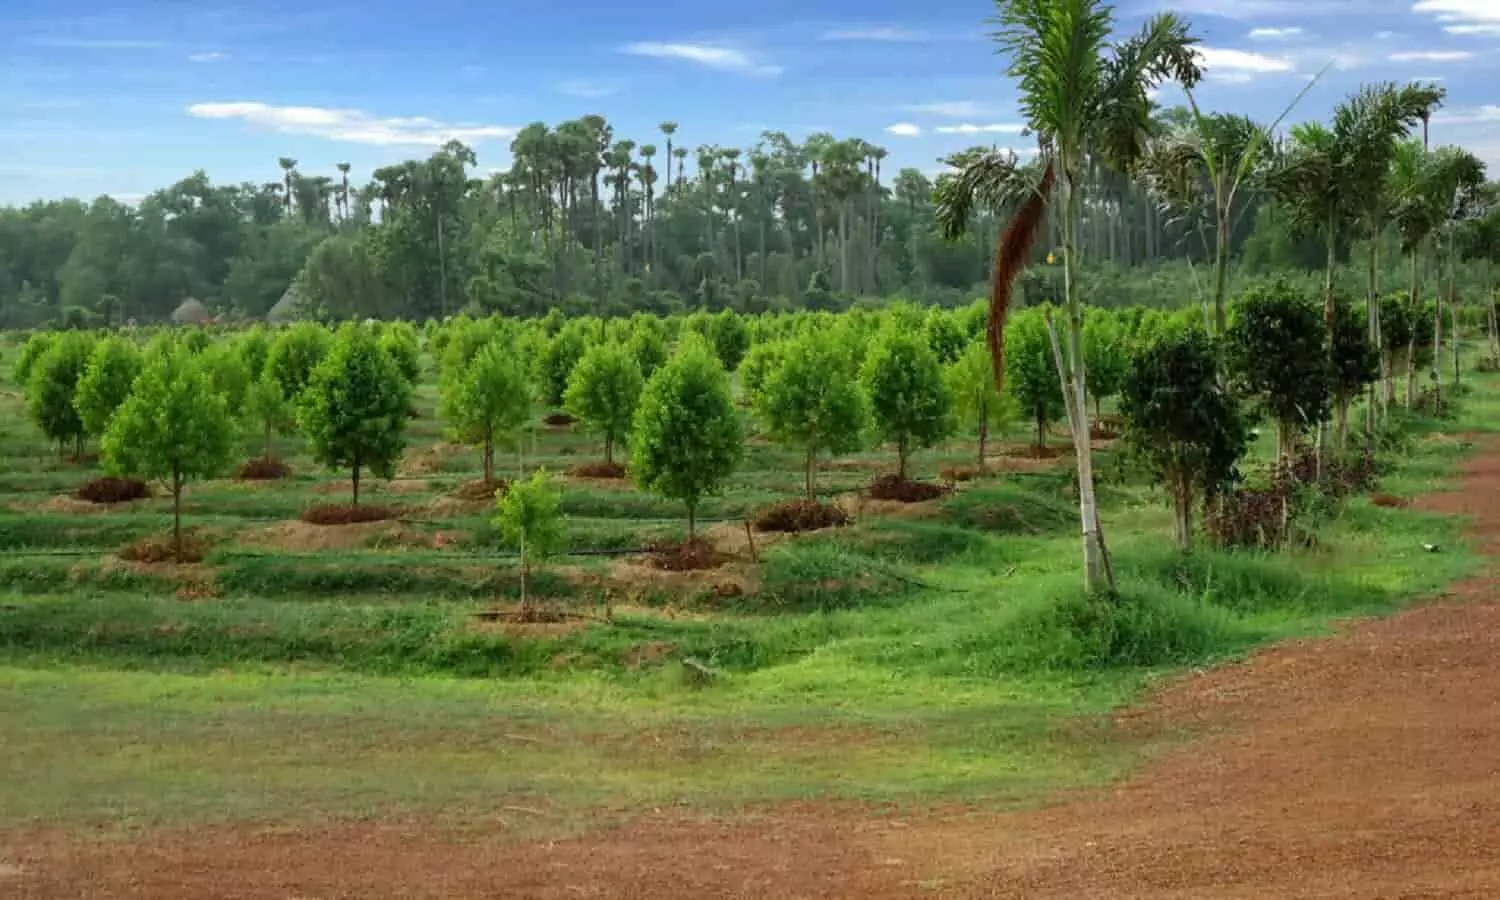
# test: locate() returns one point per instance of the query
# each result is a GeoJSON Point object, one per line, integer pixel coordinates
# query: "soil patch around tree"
{"type": "Point", "coordinates": [348, 514]}
{"type": "Point", "coordinates": [480, 489]}
{"type": "Point", "coordinates": [800, 515]}
{"type": "Point", "coordinates": [904, 490]}
{"type": "Point", "coordinates": [599, 470]}
{"type": "Point", "coordinates": [160, 549]}
{"type": "Point", "coordinates": [264, 468]}
{"type": "Point", "coordinates": [113, 489]}
{"type": "Point", "coordinates": [686, 556]}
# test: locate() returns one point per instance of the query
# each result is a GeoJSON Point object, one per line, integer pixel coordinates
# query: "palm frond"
{"type": "Point", "coordinates": [985, 179]}
{"type": "Point", "coordinates": [1119, 117]}
{"type": "Point", "coordinates": [1011, 254]}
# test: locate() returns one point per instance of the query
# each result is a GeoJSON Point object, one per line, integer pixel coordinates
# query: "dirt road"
{"type": "Point", "coordinates": [1363, 766]}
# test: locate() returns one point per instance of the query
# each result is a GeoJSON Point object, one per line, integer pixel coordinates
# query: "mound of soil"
{"type": "Point", "coordinates": [160, 549]}
{"type": "Point", "coordinates": [480, 489]}
{"type": "Point", "coordinates": [959, 474]}
{"type": "Point", "coordinates": [526, 615]}
{"type": "Point", "coordinates": [686, 556]}
{"type": "Point", "coordinates": [264, 468]}
{"type": "Point", "coordinates": [597, 470]}
{"type": "Point", "coordinates": [346, 514]}
{"type": "Point", "coordinates": [1104, 430]}
{"type": "Point", "coordinates": [113, 490]}
{"type": "Point", "coordinates": [1390, 502]}
{"type": "Point", "coordinates": [559, 419]}
{"type": "Point", "coordinates": [903, 490]}
{"type": "Point", "coordinates": [800, 515]}
{"type": "Point", "coordinates": [1032, 451]}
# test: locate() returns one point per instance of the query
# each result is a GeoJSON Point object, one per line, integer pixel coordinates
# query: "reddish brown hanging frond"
{"type": "Point", "coordinates": [1011, 254]}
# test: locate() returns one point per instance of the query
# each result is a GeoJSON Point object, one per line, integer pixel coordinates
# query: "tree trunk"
{"type": "Point", "coordinates": [1286, 443]}
{"type": "Point", "coordinates": [1182, 503]}
{"type": "Point", "coordinates": [844, 246]}
{"type": "Point", "coordinates": [1097, 577]}
{"type": "Point", "coordinates": [1341, 412]}
{"type": "Point", "coordinates": [176, 514]}
{"type": "Point", "coordinates": [901, 454]}
{"type": "Point", "coordinates": [1221, 275]}
{"type": "Point", "coordinates": [692, 521]}
{"type": "Point", "coordinates": [1437, 354]}
{"type": "Point", "coordinates": [268, 440]}
{"type": "Point", "coordinates": [1041, 430]}
{"type": "Point", "coordinates": [525, 571]}
{"type": "Point", "coordinates": [984, 436]}
{"type": "Point", "coordinates": [356, 484]}
{"type": "Point", "coordinates": [489, 456]}
{"type": "Point", "coordinates": [1414, 301]}
{"type": "Point", "coordinates": [1372, 314]}
{"type": "Point", "coordinates": [609, 449]}
{"type": "Point", "coordinates": [807, 473]}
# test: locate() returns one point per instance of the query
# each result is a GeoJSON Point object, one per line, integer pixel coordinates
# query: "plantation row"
{"type": "Point", "coordinates": [819, 384]}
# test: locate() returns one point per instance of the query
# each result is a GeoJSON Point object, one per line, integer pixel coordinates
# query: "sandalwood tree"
{"type": "Point", "coordinates": [174, 427]}
{"type": "Point", "coordinates": [105, 383]}
{"type": "Point", "coordinates": [353, 410]}
{"type": "Point", "coordinates": [268, 411]}
{"type": "Point", "coordinates": [1180, 421]}
{"type": "Point", "coordinates": [528, 519]}
{"type": "Point", "coordinates": [687, 438]}
{"type": "Point", "coordinates": [486, 400]}
{"type": "Point", "coordinates": [910, 402]}
{"type": "Point", "coordinates": [978, 405]}
{"type": "Point", "coordinates": [294, 354]}
{"type": "Point", "coordinates": [1277, 350]}
{"type": "Point", "coordinates": [53, 386]}
{"type": "Point", "coordinates": [1031, 373]}
{"type": "Point", "coordinates": [603, 390]}
{"type": "Point", "coordinates": [811, 401]}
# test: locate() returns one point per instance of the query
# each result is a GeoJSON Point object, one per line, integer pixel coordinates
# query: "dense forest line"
{"type": "Point", "coordinates": [591, 222]}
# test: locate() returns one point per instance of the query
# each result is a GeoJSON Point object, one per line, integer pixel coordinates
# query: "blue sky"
{"type": "Point", "coordinates": [122, 98]}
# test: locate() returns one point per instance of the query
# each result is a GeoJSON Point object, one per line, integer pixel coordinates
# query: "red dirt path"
{"type": "Point", "coordinates": [1362, 766]}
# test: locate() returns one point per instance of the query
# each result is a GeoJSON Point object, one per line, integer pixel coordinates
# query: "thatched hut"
{"type": "Point", "coordinates": [191, 312]}
{"type": "Point", "coordinates": [288, 309]}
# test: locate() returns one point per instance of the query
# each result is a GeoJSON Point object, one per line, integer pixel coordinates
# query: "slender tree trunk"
{"type": "Point", "coordinates": [1437, 352]}
{"type": "Point", "coordinates": [489, 455]}
{"type": "Point", "coordinates": [442, 266]}
{"type": "Point", "coordinates": [609, 449]}
{"type": "Point", "coordinates": [1221, 275]}
{"type": "Point", "coordinates": [901, 454]}
{"type": "Point", "coordinates": [692, 521]}
{"type": "Point", "coordinates": [1415, 302]}
{"type": "Point", "coordinates": [844, 246]}
{"type": "Point", "coordinates": [1096, 574]}
{"type": "Point", "coordinates": [1453, 316]}
{"type": "Point", "coordinates": [356, 484]}
{"type": "Point", "coordinates": [525, 573]}
{"type": "Point", "coordinates": [807, 473]}
{"type": "Point", "coordinates": [1372, 313]}
{"type": "Point", "coordinates": [176, 513]}
{"type": "Point", "coordinates": [984, 436]}
{"type": "Point", "coordinates": [1041, 430]}
{"type": "Point", "coordinates": [1182, 502]}
{"type": "Point", "coordinates": [1341, 413]}
{"type": "Point", "coordinates": [267, 454]}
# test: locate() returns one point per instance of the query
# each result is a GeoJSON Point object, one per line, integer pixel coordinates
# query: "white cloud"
{"type": "Point", "coordinates": [350, 125]}
{"type": "Point", "coordinates": [1232, 77]}
{"type": "Point", "coordinates": [1431, 56]}
{"type": "Point", "coordinates": [214, 56]}
{"type": "Point", "coordinates": [1483, 115]}
{"type": "Point", "coordinates": [1474, 30]}
{"type": "Point", "coordinates": [1247, 10]}
{"type": "Point", "coordinates": [1221, 61]}
{"type": "Point", "coordinates": [713, 56]}
{"type": "Point", "coordinates": [904, 129]}
{"type": "Point", "coordinates": [588, 90]}
{"type": "Point", "coordinates": [1274, 34]}
{"type": "Point", "coordinates": [967, 128]}
{"type": "Point", "coordinates": [1479, 11]}
{"type": "Point", "coordinates": [886, 33]}
{"type": "Point", "coordinates": [953, 109]}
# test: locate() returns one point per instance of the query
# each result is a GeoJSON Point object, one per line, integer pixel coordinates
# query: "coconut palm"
{"type": "Point", "coordinates": [1083, 95]}
{"type": "Point", "coordinates": [668, 129]}
{"type": "Point", "coordinates": [288, 171]}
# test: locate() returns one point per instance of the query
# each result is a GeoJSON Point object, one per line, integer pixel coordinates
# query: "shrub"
{"type": "Point", "coordinates": [911, 405]}
{"type": "Point", "coordinates": [686, 439]}
{"type": "Point", "coordinates": [354, 409]}
{"type": "Point", "coordinates": [1278, 352]}
{"type": "Point", "coordinates": [528, 519]}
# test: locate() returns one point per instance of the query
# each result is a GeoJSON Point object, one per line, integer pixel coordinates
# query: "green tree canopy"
{"type": "Point", "coordinates": [811, 401]}
{"type": "Point", "coordinates": [528, 518]}
{"type": "Point", "coordinates": [976, 402]}
{"type": "Point", "coordinates": [53, 387]}
{"type": "Point", "coordinates": [174, 427]}
{"type": "Point", "coordinates": [487, 400]}
{"type": "Point", "coordinates": [905, 385]}
{"type": "Point", "coordinates": [687, 438]}
{"type": "Point", "coordinates": [354, 408]}
{"type": "Point", "coordinates": [603, 391]}
{"type": "Point", "coordinates": [106, 382]}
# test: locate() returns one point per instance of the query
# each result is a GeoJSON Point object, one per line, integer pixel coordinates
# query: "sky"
{"type": "Point", "coordinates": [125, 97]}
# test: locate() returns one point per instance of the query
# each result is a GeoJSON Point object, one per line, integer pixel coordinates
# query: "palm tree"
{"type": "Point", "coordinates": [668, 129]}
{"type": "Point", "coordinates": [731, 157]}
{"type": "Point", "coordinates": [343, 200]}
{"type": "Point", "coordinates": [679, 154]}
{"type": "Point", "coordinates": [1082, 94]}
{"type": "Point", "coordinates": [648, 184]}
{"type": "Point", "coordinates": [288, 170]}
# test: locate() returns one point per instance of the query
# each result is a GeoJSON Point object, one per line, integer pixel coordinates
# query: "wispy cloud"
{"type": "Point", "coordinates": [1247, 10]}
{"type": "Point", "coordinates": [1228, 64]}
{"type": "Point", "coordinates": [1472, 12]}
{"type": "Point", "coordinates": [210, 57]}
{"type": "Point", "coordinates": [350, 125]}
{"type": "Point", "coordinates": [969, 128]}
{"type": "Point", "coordinates": [1482, 115]}
{"type": "Point", "coordinates": [1431, 56]}
{"type": "Point", "coordinates": [1274, 34]}
{"type": "Point", "coordinates": [904, 129]}
{"type": "Point", "coordinates": [589, 90]}
{"type": "Point", "coordinates": [1474, 30]}
{"type": "Point", "coordinates": [712, 56]}
{"type": "Point", "coordinates": [886, 33]}
{"type": "Point", "coordinates": [72, 43]}
{"type": "Point", "coordinates": [953, 109]}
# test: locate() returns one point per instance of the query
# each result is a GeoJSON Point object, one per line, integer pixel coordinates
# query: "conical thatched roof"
{"type": "Point", "coordinates": [288, 308]}
{"type": "Point", "coordinates": [191, 312]}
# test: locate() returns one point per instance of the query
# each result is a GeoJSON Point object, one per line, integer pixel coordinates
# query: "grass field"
{"type": "Point", "coordinates": [937, 651]}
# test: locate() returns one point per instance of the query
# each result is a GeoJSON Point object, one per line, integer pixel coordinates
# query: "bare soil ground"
{"type": "Point", "coordinates": [1361, 766]}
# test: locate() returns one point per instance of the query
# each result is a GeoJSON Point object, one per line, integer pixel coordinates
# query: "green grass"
{"type": "Point", "coordinates": [906, 659]}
